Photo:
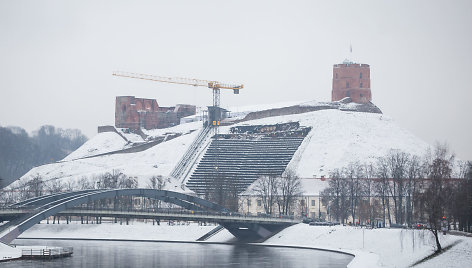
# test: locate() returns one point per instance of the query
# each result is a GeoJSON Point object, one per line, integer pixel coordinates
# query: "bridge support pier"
{"type": "Point", "coordinates": [253, 232]}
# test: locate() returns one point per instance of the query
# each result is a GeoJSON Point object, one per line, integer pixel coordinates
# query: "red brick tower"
{"type": "Point", "coordinates": [351, 80]}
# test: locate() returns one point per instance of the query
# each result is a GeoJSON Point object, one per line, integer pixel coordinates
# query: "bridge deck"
{"type": "Point", "coordinates": [184, 216]}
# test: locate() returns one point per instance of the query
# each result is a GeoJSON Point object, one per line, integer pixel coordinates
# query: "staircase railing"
{"type": "Point", "coordinates": [189, 157]}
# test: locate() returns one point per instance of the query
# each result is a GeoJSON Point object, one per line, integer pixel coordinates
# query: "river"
{"type": "Point", "coordinates": [164, 254]}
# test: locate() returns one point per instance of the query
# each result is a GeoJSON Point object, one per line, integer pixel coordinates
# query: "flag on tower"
{"type": "Point", "coordinates": [350, 47]}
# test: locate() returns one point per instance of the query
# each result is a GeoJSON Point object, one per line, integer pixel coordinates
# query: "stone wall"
{"type": "Point", "coordinates": [135, 113]}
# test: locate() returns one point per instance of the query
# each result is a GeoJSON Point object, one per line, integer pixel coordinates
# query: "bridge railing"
{"type": "Point", "coordinates": [161, 211]}
{"type": "Point", "coordinates": [182, 215]}
{"type": "Point", "coordinates": [168, 211]}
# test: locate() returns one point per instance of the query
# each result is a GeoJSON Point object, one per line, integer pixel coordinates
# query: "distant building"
{"type": "Point", "coordinates": [134, 113]}
{"type": "Point", "coordinates": [351, 80]}
{"type": "Point", "coordinates": [308, 204]}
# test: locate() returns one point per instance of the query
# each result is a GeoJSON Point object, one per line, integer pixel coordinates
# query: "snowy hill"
{"type": "Point", "coordinates": [338, 136]}
{"type": "Point", "coordinates": [101, 143]}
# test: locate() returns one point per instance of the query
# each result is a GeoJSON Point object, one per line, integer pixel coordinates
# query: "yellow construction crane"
{"type": "Point", "coordinates": [214, 85]}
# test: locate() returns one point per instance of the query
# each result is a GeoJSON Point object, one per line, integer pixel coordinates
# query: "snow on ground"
{"type": "Point", "coordinates": [381, 247]}
{"type": "Point", "coordinates": [132, 137]}
{"type": "Point", "coordinates": [7, 252]}
{"type": "Point", "coordinates": [109, 141]}
{"type": "Point", "coordinates": [371, 247]}
{"type": "Point", "coordinates": [101, 143]}
{"type": "Point", "coordinates": [336, 139]}
{"type": "Point", "coordinates": [339, 137]}
{"type": "Point", "coordinates": [459, 255]}
{"type": "Point", "coordinates": [182, 128]}
{"type": "Point", "coordinates": [158, 160]}
{"type": "Point", "coordinates": [134, 231]}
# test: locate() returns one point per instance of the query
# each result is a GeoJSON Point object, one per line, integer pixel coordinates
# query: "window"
{"type": "Point", "coordinates": [259, 203]}
{"type": "Point", "coordinates": [347, 84]}
{"type": "Point", "coordinates": [336, 75]}
{"type": "Point", "coordinates": [361, 85]}
{"type": "Point", "coordinates": [348, 94]}
{"type": "Point", "coordinates": [249, 202]}
{"type": "Point", "coordinates": [302, 202]}
{"type": "Point", "coordinates": [312, 203]}
{"type": "Point", "coordinates": [362, 95]}
{"type": "Point", "coordinates": [360, 76]}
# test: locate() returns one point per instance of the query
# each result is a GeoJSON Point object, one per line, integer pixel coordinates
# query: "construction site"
{"type": "Point", "coordinates": [230, 161]}
{"type": "Point", "coordinates": [228, 154]}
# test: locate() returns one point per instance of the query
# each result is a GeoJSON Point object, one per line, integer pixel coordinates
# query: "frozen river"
{"type": "Point", "coordinates": [163, 254]}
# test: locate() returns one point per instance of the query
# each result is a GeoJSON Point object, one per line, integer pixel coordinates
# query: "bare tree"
{"type": "Point", "coordinates": [290, 189]}
{"type": "Point", "coordinates": [109, 180]}
{"type": "Point", "coordinates": [336, 196]}
{"type": "Point", "coordinates": [367, 186]}
{"type": "Point", "coordinates": [353, 173]}
{"type": "Point", "coordinates": [55, 186]}
{"type": "Point", "coordinates": [438, 167]}
{"type": "Point", "coordinates": [397, 167]}
{"type": "Point", "coordinates": [413, 185]}
{"type": "Point", "coordinates": [223, 190]}
{"type": "Point", "coordinates": [36, 186]}
{"type": "Point", "coordinates": [266, 188]}
{"type": "Point", "coordinates": [464, 200]}
{"type": "Point", "coordinates": [125, 182]}
{"type": "Point", "coordinates": [84, 183]}
{"type": "Point", "coordinates": [383, 186]}
{"type": "Point", "coordinates": [156, 182]}
{"type": "Point", "coordinates": [7, 198]}
{"type": "Point", "coordinates": [70, 186]}
{"type": "Point", "coordinates": [28, 188]}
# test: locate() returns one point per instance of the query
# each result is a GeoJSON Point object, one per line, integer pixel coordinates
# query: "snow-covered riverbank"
{"type": "Point", "coordinates": [8, 253]}
{"type": "Point", "coordinates": [372, 247]}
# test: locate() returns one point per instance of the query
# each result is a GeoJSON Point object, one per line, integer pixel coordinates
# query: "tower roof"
{"type": "Point", "coordinates": [348, 61]}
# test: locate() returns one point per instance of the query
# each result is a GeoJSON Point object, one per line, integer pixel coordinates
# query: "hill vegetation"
{"type": "Point", "coordinates": [19, 152]}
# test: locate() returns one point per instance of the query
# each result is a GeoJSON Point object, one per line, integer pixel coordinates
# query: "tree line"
{"type": "Point", "coordinates": [19, 152]}
{"type": "Point", "coordinates": [399, 188]}
{"type": "Point", "coordinates": [36, 186]}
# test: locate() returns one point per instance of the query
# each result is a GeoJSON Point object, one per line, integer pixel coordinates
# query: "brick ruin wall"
{"type": "Point", "coordinates": [133, 113]}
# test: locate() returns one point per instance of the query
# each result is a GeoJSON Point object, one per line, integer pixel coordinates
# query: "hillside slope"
{"type": "Point", "coordinates": [337, 138]}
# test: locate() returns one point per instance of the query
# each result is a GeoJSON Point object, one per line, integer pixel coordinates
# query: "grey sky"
{"type": "Point", "coordinates": [56, 57]}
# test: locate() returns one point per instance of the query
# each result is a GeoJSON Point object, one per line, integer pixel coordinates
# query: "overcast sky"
{"type": "Point", "coordinates": [56, 57]}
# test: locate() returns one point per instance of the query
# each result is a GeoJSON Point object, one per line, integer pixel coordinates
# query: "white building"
{"type": "Point", "coordinates": [308, 204]}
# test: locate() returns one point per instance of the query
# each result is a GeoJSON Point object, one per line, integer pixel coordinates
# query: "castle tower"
{"type": "Point", "coordinates": [351, 80]}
